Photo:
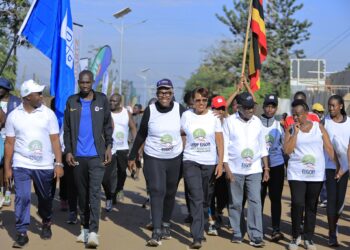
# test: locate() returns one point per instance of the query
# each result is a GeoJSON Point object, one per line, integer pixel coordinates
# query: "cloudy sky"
{"type": "Point", "coordinates": [171, 43]}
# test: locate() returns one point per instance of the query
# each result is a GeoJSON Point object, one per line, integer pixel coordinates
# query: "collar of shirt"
{"type": "Point", "coordinates": [41, 108]}
{"type": "Point", "coordinates": [240, 119]}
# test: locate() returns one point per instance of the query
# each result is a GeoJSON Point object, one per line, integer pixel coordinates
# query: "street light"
{"type": "Point", "coordinates": [121, 14]}
{"type": "Point", "coordinates": [121, 29]}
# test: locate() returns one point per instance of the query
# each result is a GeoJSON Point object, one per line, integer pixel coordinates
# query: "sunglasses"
{"type": "Point", "coordinates": [204, 100]}
{"type": "Point", "coordinates": [164, 93]}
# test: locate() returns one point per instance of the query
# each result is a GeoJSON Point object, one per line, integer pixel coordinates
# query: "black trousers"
{"type": "Point", "coordinates": [336, 191]}
{"type": "Point", "coordinates": [122, 164]}
{"type": "Point", "coordinates": [304, 195]}
{"type": "Point", "coordinates": [275, 187]}
{"type": "Point", "coordinates": [220, 198]}
{"type": "Point", "coordinates": [109, 182]}
{"type": "Point", "coordinates": [161, 177]}
{"type": "Point", "coordinates": [200, 181]}
{"type": "Point", "coordinates": [88, 177]}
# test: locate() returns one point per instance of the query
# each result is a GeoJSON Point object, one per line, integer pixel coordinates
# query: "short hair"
{"type": "Point", "coordinates": [116, 95]}
{"type": "Point", "coordinates": [340, 100]}
{"type": "Point", "coordinates": [200, 90]}
{"type": "Point", "coordinates": [298, 93]}
{"type": "Point", "coordinates": [299, 102]}
{"type": "Point", "coordinates": [138, 105]}
{"type": "Point", "coordinates": [187, 97]}
{"type": "Point", "coordinates": [86, 72]}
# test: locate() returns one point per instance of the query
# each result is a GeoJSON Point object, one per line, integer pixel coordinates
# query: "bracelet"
{"type": "Point", "coordinates": [58, 164]}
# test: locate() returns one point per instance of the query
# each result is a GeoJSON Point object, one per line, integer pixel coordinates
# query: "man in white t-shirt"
{"type": "Point", "coordinates": [245, 144]}
{"type": "Point", "coordinates": [32, 143]}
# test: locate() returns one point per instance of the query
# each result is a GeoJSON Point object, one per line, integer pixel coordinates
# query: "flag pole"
{"type": "Point", "coordinates": [246, 38]}
{"type": "Point", "coordinates": [14, 44]}
{"type": "Point", "coordinates": [15, 40]}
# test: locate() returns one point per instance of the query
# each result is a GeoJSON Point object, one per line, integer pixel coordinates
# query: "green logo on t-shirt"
{"type": "Point", "coordinates": [167, 142]}
{"type": "Point", "coordinates": [119, 136]}
{"type": "Point", "coordinates": [309, 161]}
{"type": "Point", "coordinates": [36, 150]}
{"type": "Point", "coordinates": [247, 155]}
{"type": "Point", "coordinates": [199, 134]}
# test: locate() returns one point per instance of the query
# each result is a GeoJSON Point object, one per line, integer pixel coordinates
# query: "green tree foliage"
{"type": "Point", "coordinates": [12, 14]}
{"type": "Point", "coordinates": [283, 33]}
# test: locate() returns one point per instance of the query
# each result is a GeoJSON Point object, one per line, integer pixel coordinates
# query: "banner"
{"type": "Point", "coordinates": [48, 27]}
{"type": "Point", "coordinates": [100, 64]}
{"type": "Point", "coordinates": [105, 82]}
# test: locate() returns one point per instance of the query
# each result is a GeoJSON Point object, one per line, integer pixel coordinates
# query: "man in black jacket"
{"type": "Point", "coordinates": [88, 142]}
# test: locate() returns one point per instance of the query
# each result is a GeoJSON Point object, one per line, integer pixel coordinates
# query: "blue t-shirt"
{"type": "Point", "coordinates": [86, 144]}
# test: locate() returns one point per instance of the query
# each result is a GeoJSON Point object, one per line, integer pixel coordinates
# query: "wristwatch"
{"type": "Point", "coordinates": [58, 164]}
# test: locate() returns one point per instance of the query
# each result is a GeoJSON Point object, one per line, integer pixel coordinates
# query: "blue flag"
{"type": "Point", "coordinates": [49, 27]}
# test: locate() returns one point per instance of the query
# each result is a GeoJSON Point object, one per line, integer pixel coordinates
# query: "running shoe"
{"type": "Point", "coordinates": [92, 241]}
{"type": "Point", "coordinates": [120, 195]}
{"type": "Point", "coordinates": [258, 242]}
{"type": "Point", "coordinates": [323, 204]}
{"type": "Point", "coordinates": [196, 244]}
{"type": "Point", "coordinates": [72, 218]}
{"type": "Point", "coordinates": [166, 231]}
{"type": "Point", "coordinates": [83, 236]}
{"type": "Point", "coordinates": [7, 201]}
{"type": "Point", "coordinates": [236, 239]}
{"type": "Point", "coordinates": [333, 241]}
{"type": "Point", "coordinates": [21, 240]}
{"type": "Point", "coordinates": [212, 230]}
{"type": "Point", "coordinates": [276, 236]}
{"type": "Point", "coordinates": [309, 245]}
{"type": "Point", "coordinates": [109, 205]}
{"type": "Point", "coordinates": [294, 243]}
{"type": "Point", "coordinates": [156, 239]}
{"type": "Point", "coordinates": [46, 232]}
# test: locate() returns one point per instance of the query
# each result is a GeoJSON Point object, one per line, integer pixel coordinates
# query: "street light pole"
{"type": "Point", "coordinates": [121, 56]}
{"type": "Point", "coordinates": [120, 14]}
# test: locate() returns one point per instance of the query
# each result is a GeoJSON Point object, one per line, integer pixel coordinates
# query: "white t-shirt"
{"type": "Point", "coordinates": [306, 163]}
{"type": "Point", "coordinates": [339, 134]}
{"type": "Point", "coordinates": [245, 144]}
{"type": "Point", "coordinates": [121, 130]}
{"type": "Point", "coordinates": [33, 149]}
{"type": "Point", "coordinates": [200, 137]}
{"type": "Point", "coordinates": [164, 139]}
{"type": "Point", "coordinates": [273, 141]}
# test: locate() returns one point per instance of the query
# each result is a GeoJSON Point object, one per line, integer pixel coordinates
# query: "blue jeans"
{"type": "Point", "coordinates": [252, 185]}
{"type": "Point", "coordinates": [23, 183]}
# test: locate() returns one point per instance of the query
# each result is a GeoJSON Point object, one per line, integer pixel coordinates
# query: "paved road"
{"type": "Point", "coordinates": [124, 227]}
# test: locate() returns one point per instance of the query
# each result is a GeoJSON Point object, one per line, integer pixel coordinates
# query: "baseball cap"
{"type": "Point", "coordinates": [246, 100]}
{"type": "Point", "coordinates": [6, 84]}
{"type": "Point", "coordinates": [318, 107]}
{"type": "Point", "coordinates": [218, 101]}
{"type": "Point", "coordinates": [271, 99]}
{"type": "Point", "coordinates": [166, 83]}
{"type": "Point", "coordinates": [29, 87]}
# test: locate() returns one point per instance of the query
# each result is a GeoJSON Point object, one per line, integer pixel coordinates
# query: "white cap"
{"type": "Point", "coordinates": [29, 87]}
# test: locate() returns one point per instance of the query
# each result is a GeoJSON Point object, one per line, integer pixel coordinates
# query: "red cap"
{"type": "Point", "coordinates": [218, 101]}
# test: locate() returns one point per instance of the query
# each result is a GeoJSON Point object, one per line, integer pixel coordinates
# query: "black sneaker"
{"type": "Point", "coordinates": [46, 232]}
{"type": "Point", "coordinates": [276, 236]}
{"type": "Point", "coordinates": [166, 232]}
{"type": "Point", "coordinates": [196, 244]}
{"type": "Point", "coordinates": [257, 242]}
{"type": "Point", "coordinates": [333, 241]}
{"type": "Point", "coordinates": [156, 239]}
{"type": "Point", "coordinates": [21, 240]}
{"type": "Point", "coordinates": [236, 239]}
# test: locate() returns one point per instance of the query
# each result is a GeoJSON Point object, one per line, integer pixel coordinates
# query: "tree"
{"type": "Point", "coordinates": [283, 32]}
{"type": "Point", "coordinates": [347, 67]}
{"type": "Point", "coordinates": [12, 14]}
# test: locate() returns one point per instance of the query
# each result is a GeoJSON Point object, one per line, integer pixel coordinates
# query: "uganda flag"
{"type": "Point", "coordinates": [258, 46]}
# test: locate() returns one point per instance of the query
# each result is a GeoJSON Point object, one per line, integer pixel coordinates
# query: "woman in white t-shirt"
{"type": "Point", "coordinates": [337, 124]}
{"type": "Point", "coordinates": [305, 142]}
{"type": "Point", "coordinates": [202, 159]}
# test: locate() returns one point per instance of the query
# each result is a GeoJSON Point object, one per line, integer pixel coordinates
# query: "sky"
{"type": "Point", "coordinates": [173, 40]}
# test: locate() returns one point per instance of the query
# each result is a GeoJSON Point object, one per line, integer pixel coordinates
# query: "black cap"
{"type": "Point", "coordinates": [166, 83]}
{"type": "Point", "coordinates": [6, 84]}
{"type": "Point", "coordinates": [246, 100]}
{"type": "Point", "coordinates": [271, 99]}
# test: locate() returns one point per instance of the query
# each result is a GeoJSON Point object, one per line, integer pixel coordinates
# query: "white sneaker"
{"type": "Point", "coordinates": [2, 199]}
{"type": "Point", "coordinates": [294, 244]}
{"type": "Point", "coordinates": [83, 236]}
{"type": "Point", "coordinates": [92, 240]}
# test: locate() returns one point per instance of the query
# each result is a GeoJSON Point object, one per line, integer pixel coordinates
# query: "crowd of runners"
{"type": "Point", "coordinates": [229, 157]}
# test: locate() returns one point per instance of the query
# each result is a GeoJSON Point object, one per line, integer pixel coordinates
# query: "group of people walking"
{"type": "Point", "coordinates": [226, 160]}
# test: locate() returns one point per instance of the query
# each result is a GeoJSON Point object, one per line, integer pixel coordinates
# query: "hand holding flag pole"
{"type": "Point", "coordinates": [258, 45]}
{"type": "Point", "coordinates": [245, 48]}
